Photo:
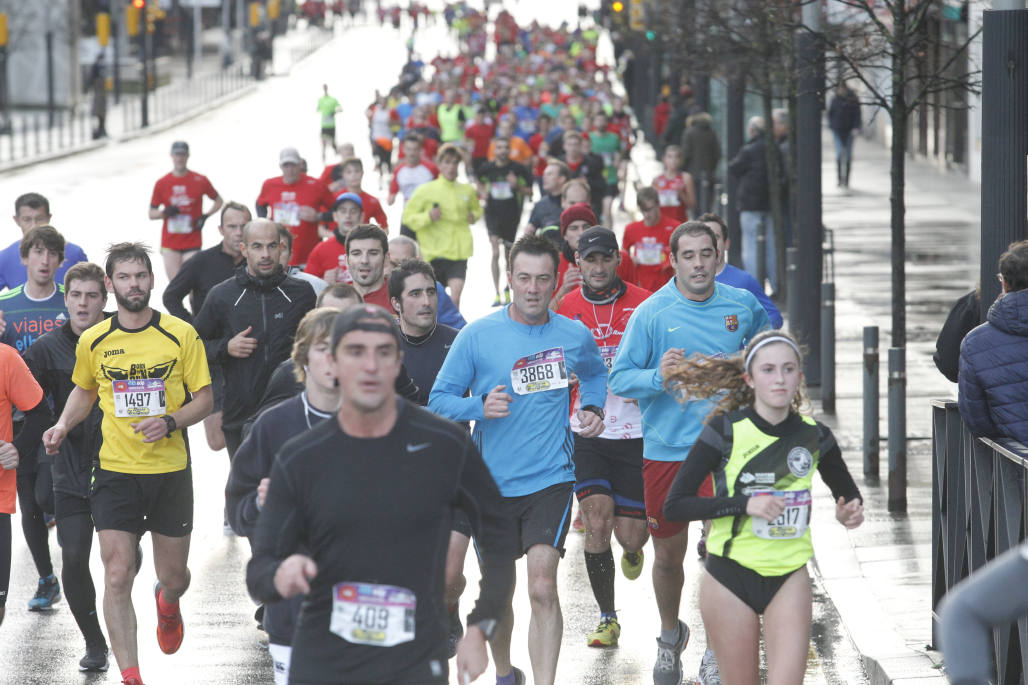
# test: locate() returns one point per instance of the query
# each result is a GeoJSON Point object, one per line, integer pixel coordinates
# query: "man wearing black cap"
{"type": "Point", "coordinates": [177, 201]}
{"type": "Point", "coordinates": [608, 468]}
{"type": "Point", "coordinates": [378, 616]}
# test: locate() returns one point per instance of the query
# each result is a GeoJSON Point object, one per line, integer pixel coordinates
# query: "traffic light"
{"type": "Point", "coordinates": [650, 35]}
{"type": "Point", "coordinates": [618, 6]}
{"type": "Point", "coordinates": [103, 28]}
{"type": "Point", "coordinates": [139, 4]}
{"type": "Point", "coordinates": [132, 19]}
{"type": "Point", "coordinates": [3, 29]}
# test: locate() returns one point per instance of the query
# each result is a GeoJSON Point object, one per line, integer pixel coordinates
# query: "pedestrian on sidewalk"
{"type": "Point", "coordinates": [761, 454]}
{"type": "Point", "coordinates": [98, 88]}
{"type": "Point", "coordinates": [754, 203]}
{"type": "Point", "coordinates": [844, 120]}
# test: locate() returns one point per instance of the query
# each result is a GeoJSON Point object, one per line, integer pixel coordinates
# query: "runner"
{"type": "Point", "coordinates": [32, 210]}
{"type": "Point", "coordinates": [248, 321]}
{"type": "Point", "coordinates": [402, 248]}
{"type": "Point", "coordinates": [587, 166]}
{"type": "Point", "coordinates": [328, 107]}
{"type": "Point", "coordinates": [690, 314]}
{"type": "Point", "coordinates": [608, 468]}
{"type": "Point", "coordinates": [367, 249]}
{"type": "Point", "coordinates": [382, 120]}
{"type": "Point", "coordinates": [328, 258]}
{"type": "Point", "coordinates": [286, 239]}
{"type": "Point", "coordinates": [762, 454]}
{"type": "Point", "coordinates": [734, 276]}
{"type": "Point", "coordinates": [607, 144]}
{"type": "Point", "coordinates": [248, 480]}
{"type": "Point", "coordinates": [574, 220]}
{"type": "Point", "coordinates": [648, 241]}
{"type": "Point", "coordinates": [296, 200]}
{"type": "Point", "coordinates": [397, 579]}
{"type": "Point", "coordinates": [526, 434]}
{"type": "Point", "coordinates": [440, 213]}
{"type": "Point", "coordinates": [546, 212]}
{"type": "Point", "coordinates": [346, 177]}
{"type": "Point", "coordinates": [177, 201]}
{"type": "Point", "coordinates": [503, 184]}
{"type": "Point", "coordinates": [52, 360]}
{"type": "Point", "coordinates": [28, 311]}
{"type": "Point", "coordinates": [140, 363]}
{"type": "Point", "coordinates": [675, 188]}
{"type": "Point", "coordinates": [414, 172]}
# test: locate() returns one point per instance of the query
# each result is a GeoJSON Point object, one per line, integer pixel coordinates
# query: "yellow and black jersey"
{"type": "Point", "coordinates": [140, 373]}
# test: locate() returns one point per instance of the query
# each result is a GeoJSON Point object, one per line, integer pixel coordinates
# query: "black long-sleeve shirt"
{"type": "Point", "coordinates": [378, 511]}
{"type": "Point", "coordinates": [424, 356]}
{"type": "Point", "coordinates": [201, 272]}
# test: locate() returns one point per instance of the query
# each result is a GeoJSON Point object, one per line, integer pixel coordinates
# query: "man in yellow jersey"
{"type": "Point", "coordinates": [141, 363]}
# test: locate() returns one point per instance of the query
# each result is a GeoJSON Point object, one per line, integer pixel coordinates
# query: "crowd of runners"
{"type": "Point", "coordinates": [632, 370]}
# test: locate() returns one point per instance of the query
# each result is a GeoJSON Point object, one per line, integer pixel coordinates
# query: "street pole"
{"type": "Point", "coordinates": [116, 16]}
{"type": "Point", "coordinates": [809, 231]}
{"type": "Point", "coordinates": [226, 26]}
{"type": "Point", "coordinates": [1004, 138]}
{"type": "Point", "coordinates": [144, 81]}
{"type": "Point", "coordinates": [197, 33]}
{"type": "Point", "coordinates": [49, 38]}
{"type": "Point", "coordinates": [736, 92]}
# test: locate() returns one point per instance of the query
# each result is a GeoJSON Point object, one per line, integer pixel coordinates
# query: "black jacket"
{"type": "Point", "coordinates": [198, 275]}
{"type": "Point", "coordinates": [273, 307]}
{"type": "Point", "coordinates": [964, 316]}
{"type": "Point", "coordinates": [750, 167]}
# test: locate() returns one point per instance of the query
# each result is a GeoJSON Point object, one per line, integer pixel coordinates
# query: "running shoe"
{"type": "Point", "coordinates": [95, 658]}
{"type": "Point", "coordinates": [632, 564]}
{"type": "Point", "coordinates": [606, 634]}
{"type": "Point", "coordinates": [578, 525]}
{"type": "Point", "coordinates": [519, 676]}
{"type": "Point", "coordinates": [132, 681]}
{"type": "Point", "coordinates": [668, 669]}
{"type": "Point", "coordinates": [49, 520]}
{"type": "Point", "coordinates": [48, 592]}
{"type": "Point", "coordinates": [709, 673]}
{"type": "Point", "coordinates": [456, 631]}
{"type": "Point", "coordinates": [498, 301]}
{"type": "Point", "coordinates": [506, 295]}
{"type": "Point", "coordinates": [170, 630]}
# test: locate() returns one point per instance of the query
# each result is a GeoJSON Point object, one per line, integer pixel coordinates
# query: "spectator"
{"type": "Point", "coordinates": [965, 315]}
{"type": "Point", "coordinates": [754, 200]}
{"type": "Point", "coordinates": [701, 152]}
{"type": "Point", "coordinates": [844, 120]}
{"type": "Point", "coordinates": [993, 380]}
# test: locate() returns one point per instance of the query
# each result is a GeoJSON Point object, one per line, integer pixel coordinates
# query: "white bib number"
{"type": "Point", "coordinates": [139, 398]}
{"type": "Point", "coordinates": [540, 372]}
{"type": "Point", "coordinates": [649, 252]}
{"type": "Point", "coordinates": [792, 522]}
{"type": "Point", "coordinates": [287, 213]}
{"type": "Point", "coordinates": [180, 223]}
{"type": "Point", "coordinates": [669, 198]}
{"type": "Point", "coordinates": [608, 352]}
{"type": "Point", "coordinates": [500, 190]}
{"type": "Point", "coordinates": [376, 615]}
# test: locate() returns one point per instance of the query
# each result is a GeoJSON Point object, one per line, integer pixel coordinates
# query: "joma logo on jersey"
{"type": "Point", "coordinates": [732, 323]}
{"type": "Point", "coordinates": [111, 353]}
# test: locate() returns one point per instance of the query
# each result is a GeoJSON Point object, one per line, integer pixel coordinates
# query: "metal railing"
{"type": "Point", "coordinates": [28, 135]}
{"type": "Point", "coordinates": [978, 512]}
{"type": "Point", "coordinates": [181, 97]}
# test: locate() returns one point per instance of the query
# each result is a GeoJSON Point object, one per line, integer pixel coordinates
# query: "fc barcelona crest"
{"type": "Point", "coordinates": [732, 323]}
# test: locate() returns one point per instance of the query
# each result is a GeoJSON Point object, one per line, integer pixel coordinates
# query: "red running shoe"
{"type": "Point", "coordinates": [132, 681]}
{"type": "Point", "coordinates": [169, 626]}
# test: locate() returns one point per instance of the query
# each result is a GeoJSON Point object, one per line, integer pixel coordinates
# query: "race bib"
{"type": "Point", "coordinates": [669, 198]}
{"type": "Point", "coordinates": [792, 522]}
{"type": "Point", "coordinates": [139, 398]}
{"type": "Point", "coordinates": [540, 372]}
{"type": "Point", "coordinates": [180, 223]}
{"type": "Point", "coordinates": [343, 271]}
{"type": "Point", "coordinates": [369, 614]}
{"type": "Point", "coordinates": [649, 253]}
{"type": "Point", "coordinates": [287, 213]}
{"type": "Point", "coordinates": [500, 190]}
{"type": "Point", "coordinates": [608, 352]}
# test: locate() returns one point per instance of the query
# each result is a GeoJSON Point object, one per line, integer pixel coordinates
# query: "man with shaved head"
{"type": "Point", "coordinates": [248, 321]}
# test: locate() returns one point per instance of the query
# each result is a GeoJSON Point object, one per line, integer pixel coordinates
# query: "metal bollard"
{"type": "Point", "coordinates": [897, 430]}
{"type": "Point", "coordinates": [828, 347]}
{"type": "Point", "coordinates": [792, 289]}
{"type": "Point", "coordinates": [871, 418]}
{"type": "Point", "coordinates": [761, 254]}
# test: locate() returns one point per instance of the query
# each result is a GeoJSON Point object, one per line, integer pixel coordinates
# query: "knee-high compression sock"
{"type": "Point", "coordinates": [600, 567]}
{"type": "Point", "coordinates": [77, 539]}
{"type": "Point", "coordinates": [5, 557]}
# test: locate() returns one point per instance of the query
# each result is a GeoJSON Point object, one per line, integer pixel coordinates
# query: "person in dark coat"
{"type": "Point", "coordinates": [993, 380]}
{"type": "Point", "coordinates": [964, 316]}
{"type": "Point", "coordinates": [701, 152]}
{"type": "Point", "coordinates": [754, 200]}
{"type": "Point", "coordinates": [844, 120]}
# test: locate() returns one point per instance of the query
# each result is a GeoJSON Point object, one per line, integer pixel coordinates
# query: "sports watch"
{"type": "Point", "coordinates": [169, 421]}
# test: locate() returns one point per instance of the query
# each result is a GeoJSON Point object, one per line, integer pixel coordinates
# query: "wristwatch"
{"type": "Point", "coordinates": [595, 410]}
{"type": "Point", "coordinates": [169, 421]}
{"type": "Point", "coordinates": [488, 627]}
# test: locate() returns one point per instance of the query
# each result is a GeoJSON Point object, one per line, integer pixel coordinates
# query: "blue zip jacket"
{"type": "Point", "coordinates": [532, 448]}
{"type": "Point", "coordinates": [720, 325]}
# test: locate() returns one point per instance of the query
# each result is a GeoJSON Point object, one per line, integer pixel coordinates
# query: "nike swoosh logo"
{"type": "Point", "coordinates": [672, 330]}
{"type": "Point", "coordinates": [417, 448]}
{"type": "Point", "coordinates": [446, 347]}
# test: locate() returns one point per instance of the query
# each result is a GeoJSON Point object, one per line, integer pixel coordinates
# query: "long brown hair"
{"type": "Point", "coordinates": [702, 377]}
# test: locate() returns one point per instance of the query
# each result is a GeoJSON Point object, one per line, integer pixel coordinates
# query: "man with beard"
{"type": "Point", "coordinates": [248, 321]}
{"type": "Point", "coordinates": [367, 249]}
{"type": "Point", "coordinates": [574, 220]}
{"type": "Point", "coordinates": [140, 364]}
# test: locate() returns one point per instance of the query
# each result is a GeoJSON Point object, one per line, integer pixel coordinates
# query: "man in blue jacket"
{"type": "Point", "coordinates": [993, 378]}
{"type": "Point", "coordinates": [691, 314]}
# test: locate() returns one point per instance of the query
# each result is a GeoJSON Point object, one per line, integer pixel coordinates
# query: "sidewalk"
{"type": "Point", "coordinates": [879, 576]}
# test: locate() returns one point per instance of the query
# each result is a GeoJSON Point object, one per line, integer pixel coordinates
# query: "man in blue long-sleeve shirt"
{"type": "Point", "coordinates": [517, 364]}
{"type": "Point", "coordinates": [691, 314]}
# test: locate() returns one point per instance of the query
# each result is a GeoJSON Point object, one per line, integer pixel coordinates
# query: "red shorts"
{"type": "Point", "coordinates": [657, 479]}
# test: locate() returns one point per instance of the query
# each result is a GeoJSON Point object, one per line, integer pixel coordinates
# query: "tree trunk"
{"type": "Point", "coordinates": [898, 177]}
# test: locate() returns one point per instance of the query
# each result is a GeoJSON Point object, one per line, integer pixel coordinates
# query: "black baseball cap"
{"type": "Point", "coordinates": [597, 239]}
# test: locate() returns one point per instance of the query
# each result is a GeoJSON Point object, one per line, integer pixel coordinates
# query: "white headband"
{"type": "Point", "coordinates": [768, 341]}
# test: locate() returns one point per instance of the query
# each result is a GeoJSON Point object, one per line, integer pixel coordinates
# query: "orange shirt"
{"type": "Point", "coordinates": [520, 151]}
{"type": "Point", "coordinates": [18, 388]}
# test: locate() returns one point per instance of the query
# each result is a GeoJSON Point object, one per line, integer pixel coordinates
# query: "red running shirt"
{"type": "Point", "coordinates": [284, 202]}
{"type": "Point", "coordinates": [651, 251]}
{"type": "Point", "coordinates": [186, 193]}
{"type": "Point", "coordinates": [669, 190]}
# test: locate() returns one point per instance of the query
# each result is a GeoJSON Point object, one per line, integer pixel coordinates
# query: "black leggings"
{"type": "Point", "coordinates": [32, 523]}
{"type": "Point", "coordinates": [5, 557]}
{"type": "Point", "coordinates": [76, 535]}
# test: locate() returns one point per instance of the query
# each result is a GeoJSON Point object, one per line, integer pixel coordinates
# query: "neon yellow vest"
{"type": "Point", "coordinates": [762, 462]}
{"type": "Point", "coordinates": [451, 128]}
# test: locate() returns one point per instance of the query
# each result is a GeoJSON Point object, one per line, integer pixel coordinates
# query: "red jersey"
{"type": "Point", "coordinates": [185, 192]}
{"type": "Point", "coordinates": [670, 192]}
{"type": "Point", "coordinates": [480, 135]}
{"type": "Point", "coordinates": [284, 202]}
{"type": "Point", "coordinates": [380, 297]}
{"type": "Point", "coordinates": [651, 252]}
{"type": "Point", "coordinates": [326, 255]}
{"type": "Point", "coordinates": [607, 323]}
{"type": "Point", "coordinates": [626, 269]}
